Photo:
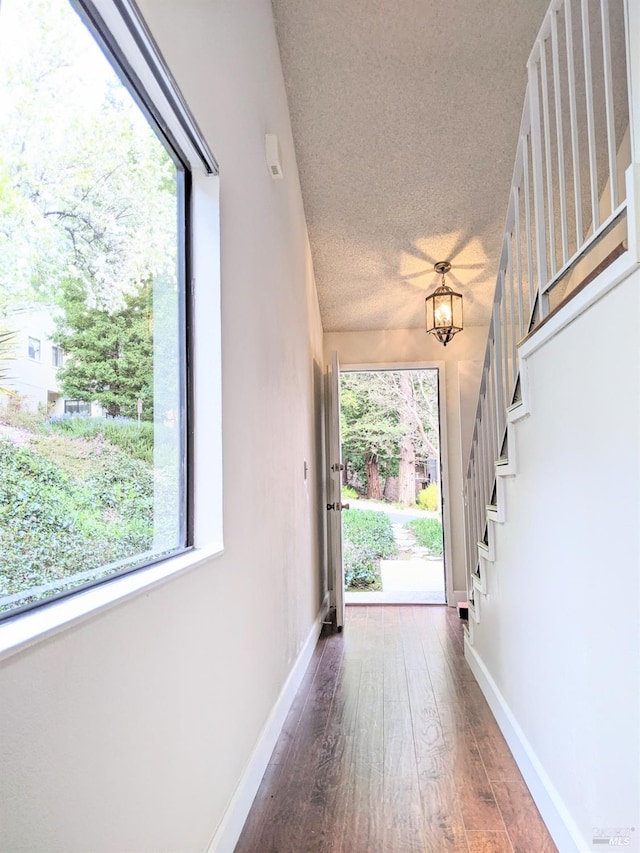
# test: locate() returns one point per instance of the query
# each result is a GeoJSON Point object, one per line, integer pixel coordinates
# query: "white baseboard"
{"type": "Point", "coordinates": [555, 814]}
{"type": "Point", "coordinates": [458, 596]}
{"type": "Point", "coordinates": [228, 832]}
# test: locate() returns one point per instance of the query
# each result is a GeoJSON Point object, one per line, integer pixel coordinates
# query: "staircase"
{"type": "Point", "coordinates": [571, 235]}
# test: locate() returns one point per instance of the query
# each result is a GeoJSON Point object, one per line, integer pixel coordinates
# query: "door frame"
{"type": "Point", "coordinates": [440, 366]}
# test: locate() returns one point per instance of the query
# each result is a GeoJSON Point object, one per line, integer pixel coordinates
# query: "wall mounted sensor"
{"type": "Point", "coordinates": [272, 149]}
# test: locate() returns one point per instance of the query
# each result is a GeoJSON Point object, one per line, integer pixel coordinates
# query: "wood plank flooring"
{"type": "Point", "coordinates": [390, 747]}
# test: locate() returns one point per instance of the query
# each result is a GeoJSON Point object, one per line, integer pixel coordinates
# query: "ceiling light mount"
{"type": "Point", "coordinates": [442, 267]}
{"type": "Point", "coordinates": [443, 309]}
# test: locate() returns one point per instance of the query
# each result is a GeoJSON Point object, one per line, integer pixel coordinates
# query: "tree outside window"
{"type": "Point", "coordinates": [92, 205]}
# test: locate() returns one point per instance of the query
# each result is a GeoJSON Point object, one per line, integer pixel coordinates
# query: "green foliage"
{"type": "Point", "coordinates": [428, 533]}
{"type": "Point", "coordinates": [370, 529]}
{"type": "Point", "coordinates": [7, 340]}
{"type": "Point", "coordinates": [428, 498]}
{"type": "Point", "coordinates": [88, 205]}
{"type": "Point", "coordinates": [86, 188]}
{"type": "Point", "coordinates": [349, 494]}
{"type": "Point", "coordinates": [136, 439]}
{"type": "Point", "coordinates": [16, 414]}
{"type": "Point", "coordinates": [110, 352]}
{"type": "Point", "coordinates": [388, 418]}
{"type": "Point", "coordinates": [126, 495]}
{"type": "Point", "coordinates": [369, 427]}
{"type": "Point", "coordinates": [367, 536]}
{"type": "Point", "coordinates": [53, 524]}
{"type": "Point", "coordinates": [89, 229]}
{"type": "Point", "coordinates": [361, 567]}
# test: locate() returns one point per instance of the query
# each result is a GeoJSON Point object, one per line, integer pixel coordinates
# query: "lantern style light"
{"type": "Point", "coordinates": [443, 308]}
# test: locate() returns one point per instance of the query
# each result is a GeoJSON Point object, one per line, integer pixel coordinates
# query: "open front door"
{"type": "Point", "coordinates": [334, 488]}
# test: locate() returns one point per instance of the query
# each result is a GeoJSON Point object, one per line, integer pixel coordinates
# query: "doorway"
{"type": "Point", "coordinates": [393, 538]}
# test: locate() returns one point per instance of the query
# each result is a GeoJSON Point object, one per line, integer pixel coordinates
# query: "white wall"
{"type": "Point", "coordinates": [131, 730]}
{"type": "Point", "coordinates": [559, 629]}
{"type": "Point", "coordinates": [33, 379]}
{"type": "Point", "coordinates": [463, 359]}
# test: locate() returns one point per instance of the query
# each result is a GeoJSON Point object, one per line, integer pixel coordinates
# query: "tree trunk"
{"type": "Point", "coordinates": [373, 477]}
{"type": "Point", "coordinates": [407, 469]}
{"type": "Point", "coordinates": [407, 472]}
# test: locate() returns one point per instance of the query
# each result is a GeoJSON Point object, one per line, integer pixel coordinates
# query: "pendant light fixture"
{"type": "Point", "coordinates": [443, 308]}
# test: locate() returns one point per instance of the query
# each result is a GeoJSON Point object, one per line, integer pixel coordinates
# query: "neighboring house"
{"type": "Point", "coordinates": [427, 471]}
{"type": "Point", "coordinates": [33, 368]}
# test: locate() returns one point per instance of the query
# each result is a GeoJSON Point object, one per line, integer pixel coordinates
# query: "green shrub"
{"type": "Point", "coordinates": [370, 529]}
{"type": "Point", "coordinates": [128, 491]}
{"type": "Point", "coordinates": [361, 568]}
{"type": "Point", "coordinates": [54, 524]}
{"type": "Point", "coordinates": [15, 413]}
{"type": "Point", "coordinates": [428, 498]}
{"type": "Point", "coordinates": [368, 537]}
{"type": "Point", "coordinates": [135, 439]}
{"type": "Point", "coordinates": [349, 493]}
{"type": "Point", "coordinates": [428, 533]}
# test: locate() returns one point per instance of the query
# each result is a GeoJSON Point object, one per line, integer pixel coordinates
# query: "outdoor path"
{"type": "Point", "coordinates": [411, 578]}
{"type": "Point", "coordinates": [406, 543]}
{"type": "Point", "coordinates": [397, 515]}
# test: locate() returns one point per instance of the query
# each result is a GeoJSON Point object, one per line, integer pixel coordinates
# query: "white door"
{"type": "Point", "coordinates": [334, 488]}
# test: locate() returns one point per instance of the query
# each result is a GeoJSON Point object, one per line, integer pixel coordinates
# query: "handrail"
{"type": "Point", "coordinates": [567, 173]}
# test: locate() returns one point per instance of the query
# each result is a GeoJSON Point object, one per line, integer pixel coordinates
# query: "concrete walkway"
{"type": "Point", "coordinates": [411, 579]}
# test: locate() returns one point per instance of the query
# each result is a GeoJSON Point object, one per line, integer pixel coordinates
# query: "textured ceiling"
{"type": "Point", "coordinates": [405, 117]}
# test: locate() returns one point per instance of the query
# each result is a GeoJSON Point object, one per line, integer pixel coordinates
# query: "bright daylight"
{"type": "Point", "coordinates": [90, 445]}
{"type": "Point", "coordinates": [391, 482]}
{"type": "Point", "coordinates": [319, 426]}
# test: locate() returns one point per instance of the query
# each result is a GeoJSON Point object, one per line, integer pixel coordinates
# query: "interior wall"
{"type": "Point", "coordinates": [463, 359]}
{"type": "Point", "coordinates": [131, 730]}
{"type": "Point", "coordinates": [559, 629]}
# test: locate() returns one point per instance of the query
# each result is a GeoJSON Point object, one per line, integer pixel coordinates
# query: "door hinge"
{"type": "Point", "coordinates": [337, 466]}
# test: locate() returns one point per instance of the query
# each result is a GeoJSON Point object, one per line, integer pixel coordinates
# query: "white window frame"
{"type": "Point", "coordinates": [126, 33]}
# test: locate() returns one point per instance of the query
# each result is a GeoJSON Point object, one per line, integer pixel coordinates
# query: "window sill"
{"type": "Point", "coordinates": [30, 628]}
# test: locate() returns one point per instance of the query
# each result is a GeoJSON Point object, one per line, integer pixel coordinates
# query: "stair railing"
{"type": "Point", "coordinates": [566, 215]}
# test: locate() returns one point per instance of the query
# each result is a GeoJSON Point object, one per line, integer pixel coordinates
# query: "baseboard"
{"type": "Point", "coordinates": [228, 832]}
{"type": "Point", "coordinates": [555, 814]}
{"type": "Point", "coordinates": [458, 596]}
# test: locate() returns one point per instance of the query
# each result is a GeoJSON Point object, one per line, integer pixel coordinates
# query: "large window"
{"type": "Point", "coordinates": [93, 204]}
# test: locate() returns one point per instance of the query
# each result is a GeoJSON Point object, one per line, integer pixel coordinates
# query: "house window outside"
{"type": "Point", "coordinates": [77, 407]}
{"type": "Point", "coordinates": [57, 356]}
{"type": "Point", "coordinates": [99, 229]}
{"type": "Point", "coordinates": [34, 348]}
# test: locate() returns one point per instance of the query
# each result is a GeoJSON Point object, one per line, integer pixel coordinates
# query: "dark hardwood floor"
{"type": "Point", "coordinates": [390, 747]}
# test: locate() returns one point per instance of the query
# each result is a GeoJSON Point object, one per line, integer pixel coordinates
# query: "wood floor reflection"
{"type": "Point", "coordinates": [390, 747]}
